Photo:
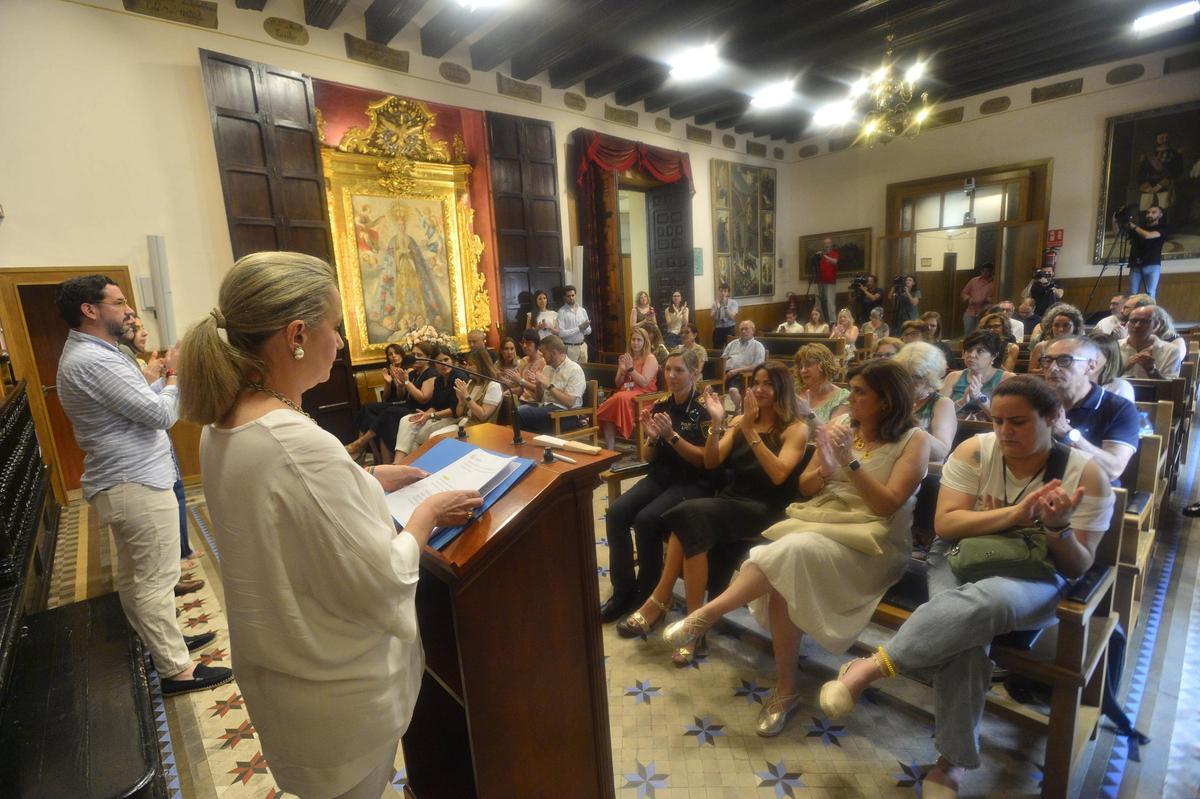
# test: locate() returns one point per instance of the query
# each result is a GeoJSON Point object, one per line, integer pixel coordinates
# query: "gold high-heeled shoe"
{"type": "Point", "coordinates": [773, 717]}
{"type": "Point", "coordinates": [686, 631]}
{"type": "Point", "coordinates": [836, 699]}
{"type": "Point", "coordinates": [635, 624]}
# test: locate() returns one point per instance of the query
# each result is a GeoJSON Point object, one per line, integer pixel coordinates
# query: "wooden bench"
{"type": "Point", "coordinates": [1173, 391]}
{"type": "Point", "coordinates": [75, 709]}
{"type": "Point", "coordinates": [584, 416]}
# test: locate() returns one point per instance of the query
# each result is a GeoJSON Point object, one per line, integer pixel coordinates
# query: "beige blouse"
{"type": "Point", "coordinates": [319, 593]}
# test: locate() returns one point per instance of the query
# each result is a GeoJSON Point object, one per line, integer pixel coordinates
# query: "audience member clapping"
{"type": "Point", "coordinates": [1143, 353]}
{"type": "Point", "coordinates": [932, 410]}
{"type": "Point", "coordinates": [971, 388]}
{"type": "Point", "coordinates": [815, 372]}
{"type": "Point", "coordinates": [1061, 319]}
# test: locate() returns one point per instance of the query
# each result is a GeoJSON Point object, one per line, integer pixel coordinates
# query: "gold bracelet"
{"type": "Point", "coordinates": [888, 665]}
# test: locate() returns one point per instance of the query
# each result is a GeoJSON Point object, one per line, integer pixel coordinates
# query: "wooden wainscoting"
{"type": "Point", "coordinates": [766, 316]}
{"type": "Point", "coordinates": [1178, 293]}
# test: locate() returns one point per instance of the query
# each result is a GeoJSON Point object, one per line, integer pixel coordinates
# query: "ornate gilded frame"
{"type": "Point", "coordinates": [397, 157]}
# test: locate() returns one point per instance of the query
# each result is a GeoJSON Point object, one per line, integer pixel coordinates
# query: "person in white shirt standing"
{"type": "Point", "coordinates": [742, 356]}
{"type": "Point", "coordinates": [1143, 353]}
{"type": "Point", "coordinates": [724, 316]}
{"type": "Point", "coordinates": [573, 326]}
{"type": "Point", "coordinates": [1114, 324]}
{"type": "Point", "coordinates": [121, 424]}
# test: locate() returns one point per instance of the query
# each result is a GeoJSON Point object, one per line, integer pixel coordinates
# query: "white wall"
{"type": "Point", "coordinates": [633, 214]}
{"type": "Point", "coordinates": [847, 189]}
{"type": "Point", "coordinates": [106, 136]}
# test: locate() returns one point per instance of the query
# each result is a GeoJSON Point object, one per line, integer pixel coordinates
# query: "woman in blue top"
{"type": "Point", "coordinates": [971, 388]}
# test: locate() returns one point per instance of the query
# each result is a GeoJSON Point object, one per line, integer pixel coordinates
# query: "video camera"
{"type": "Point", "coordinates": [1124, 216]}
{"type": "Point", "coordinates": [1045, 277]}
{"type": "Point", "coordinates": [858, 281]}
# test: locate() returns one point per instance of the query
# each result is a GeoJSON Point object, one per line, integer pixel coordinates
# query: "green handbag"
{"type": "Point", "coordinates": [1020, 553]}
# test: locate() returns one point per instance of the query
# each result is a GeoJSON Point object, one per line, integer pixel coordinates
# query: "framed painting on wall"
{"type": "Point", "coordinates": [744, 227]}
{"type": "Point", "coordinates": [407, 258]}
{"type": "Point", "coordinates": [1152, 158]}
{"type": "Point", "coordinates": [853, 246]}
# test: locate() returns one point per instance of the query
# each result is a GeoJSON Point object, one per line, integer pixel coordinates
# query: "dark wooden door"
{"type": "Point", "coordinates": [268, 153]}
{"type": "Point", "coordinates": [524, 168]}
{"type": "Point", "coordinates": [669, 217]}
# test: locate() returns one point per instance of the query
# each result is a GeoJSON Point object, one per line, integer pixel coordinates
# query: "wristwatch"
{"type": "Point", "coordinates": [674, 437]}
{"type": "Point", "coordinates": [854, 465]}
{"type": "Point", "coordinates": [1062, 534]}
{"type": "Point", "coordinates": [1073, 436]}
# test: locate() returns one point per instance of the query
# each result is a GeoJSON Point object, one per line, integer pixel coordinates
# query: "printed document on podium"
{"type": "Point", "coordinates": [478, 470]}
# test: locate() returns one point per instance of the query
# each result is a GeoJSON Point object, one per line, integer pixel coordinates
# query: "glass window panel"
{"type": "Point", "coordinates": [1012, 205]}
{"type": "Point", "coordinates": [906, 215]}
{"type": "Point", "coordinates": [987, 204]}
{"type": "Point", "coordinates": [928, 212]}
{"type": "Point", "coordinates": [955, 205]}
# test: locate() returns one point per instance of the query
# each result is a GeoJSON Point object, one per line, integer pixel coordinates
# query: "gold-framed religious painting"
{"type": "Point", "coordinates": [407, 258]}
{"type": "Point", "coordinates": [743, 199]}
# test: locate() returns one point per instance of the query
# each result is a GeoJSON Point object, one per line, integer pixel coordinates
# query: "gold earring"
{"type": "Point", "coordinates": [298, 353]}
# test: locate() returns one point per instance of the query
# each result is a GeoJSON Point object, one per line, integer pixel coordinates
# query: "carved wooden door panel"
{"type": "Point", "coordinates": [669, 213]}
{"type": "Point", "coordinates": [268, 153]}
{"type": "Point", "coordinates": [524, 166]}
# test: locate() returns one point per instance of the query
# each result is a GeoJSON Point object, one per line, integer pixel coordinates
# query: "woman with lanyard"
{"type": "Point", "coordinates": [763, 446]}
{"type": "Point", "coordinates": [1013, 478]}
{"type": "Point", "coordinates": [971, 388]}
{"type": "Point", "coordinates": [675, 450]}
{"type": "Point", "coordinates": [932, 411]}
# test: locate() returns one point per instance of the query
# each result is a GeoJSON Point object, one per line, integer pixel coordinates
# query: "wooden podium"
{"type": "Point", "coordinates": [513, 701]}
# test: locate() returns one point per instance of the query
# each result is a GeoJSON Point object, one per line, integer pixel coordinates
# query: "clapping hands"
{"type": "Point", "coordinates": [714, 406]}
{"type": "Point", "coordinates": [1050, 503]}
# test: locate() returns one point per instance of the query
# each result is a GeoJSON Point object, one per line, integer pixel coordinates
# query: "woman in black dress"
{"type": "Point", "coordinates": [393, 394]}
{"type": "Point", "coordinates": [761, 449]}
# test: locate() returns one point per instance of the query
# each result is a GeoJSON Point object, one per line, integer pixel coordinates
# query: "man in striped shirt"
{"type": "Point", "coordinates": [121, 424]}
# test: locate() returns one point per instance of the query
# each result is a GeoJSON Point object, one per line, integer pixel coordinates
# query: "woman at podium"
{"type": "Point", "coordinates": [319, 587]}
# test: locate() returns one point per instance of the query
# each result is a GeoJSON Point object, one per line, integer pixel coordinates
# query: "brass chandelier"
{"type": "Point", "coordinates": [885, 100]}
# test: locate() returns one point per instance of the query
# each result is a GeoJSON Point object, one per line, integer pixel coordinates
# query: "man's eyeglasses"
{"type": "Point", "coordinates": [117, 303]}
{"type": "Point", "coordinates": [1061, 361]}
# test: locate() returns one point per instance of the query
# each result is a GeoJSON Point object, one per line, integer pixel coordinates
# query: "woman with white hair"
{"type": "Point", "coordinates": [875, 324]}
{"type": "Point", "coordinates": [320, 589]}
{"type": "Point", "coordinates": [933, 411]}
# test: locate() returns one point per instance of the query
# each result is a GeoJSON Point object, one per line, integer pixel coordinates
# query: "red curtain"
{"type": "Point", "coordinates": [617, 155]}
{"type": "Point", "coordinates": [598, 155]}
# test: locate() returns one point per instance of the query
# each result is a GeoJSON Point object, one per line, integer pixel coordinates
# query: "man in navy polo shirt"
{"type": "Point", "coordinates": [1095, 421]}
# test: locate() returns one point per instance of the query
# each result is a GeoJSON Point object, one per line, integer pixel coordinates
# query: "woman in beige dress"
{"type": "Point", "coordinates": [833, 558]}
{"type": "Point", "coordinates": [319, 588]}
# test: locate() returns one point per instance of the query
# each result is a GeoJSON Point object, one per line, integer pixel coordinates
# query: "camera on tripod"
{"type": "Point", "coordinates": [898, 281]}
{"type": "Point", "coordinates": [858, 281]}
{"type": "Point", "coordinates": [1045, 277]}
{"type": "Point", "coordinates": [1124, 216]}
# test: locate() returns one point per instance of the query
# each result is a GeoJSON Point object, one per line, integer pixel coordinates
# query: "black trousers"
{"type": "Point", "coordinates": [641, 508]}
{"type": "Point", "coordinates": [721, 336]}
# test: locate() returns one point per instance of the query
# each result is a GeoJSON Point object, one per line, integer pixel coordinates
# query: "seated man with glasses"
{"type": "Point", "coordinates": [1143, 353]}
{"type": "Point", "coordinates": [1094, 421]}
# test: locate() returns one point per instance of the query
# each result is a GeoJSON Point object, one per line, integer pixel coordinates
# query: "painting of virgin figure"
{"type": "Point", "coordinates": [404, 268]}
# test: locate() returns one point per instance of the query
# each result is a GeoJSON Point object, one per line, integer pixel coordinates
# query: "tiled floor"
{"type": "Point", "coordinates": [689, 732]}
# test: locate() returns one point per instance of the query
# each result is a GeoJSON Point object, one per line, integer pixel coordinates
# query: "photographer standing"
{"type": "Point", "coordinates": [825, 270]}
{"type": "Point", "coordinates": [904, 296]}
{"type": "Point", "coordinates": [1145, 252]}
{"type": "Point", "coordinates": [1043, 289]}
{"type": "Point", "coordinates": [864, 296]}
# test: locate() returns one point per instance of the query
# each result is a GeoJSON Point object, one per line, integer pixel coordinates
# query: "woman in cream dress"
{"type": "Point", "coordinates": [833, 558]}
{"type": "Point", "coordinates": [319, 587]}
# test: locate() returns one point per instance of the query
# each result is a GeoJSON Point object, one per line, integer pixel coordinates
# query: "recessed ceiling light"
{"type": "Point", "coordinates": [773, 95]}
{"type": "Point", "coordinates": [834, 114]}
{"type": "Point", "coordinates": [475, 5]}
{"type": "Point", "coordinates": [695, 63]}
{"type": "Point", "coordinates": [1156, 20]}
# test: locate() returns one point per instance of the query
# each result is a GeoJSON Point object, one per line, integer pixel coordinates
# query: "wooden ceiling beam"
{"type": "Point", "coordinates": [725, 123]}
{"type": "Point", "coordinates": [386, 18]}
{"type": "Point", "coordinates": [578, 68]}
{"type": "Point", "coordinates": [449, 27]}
{"type": "Point", "coordinates": [653, 78]}
{"type": "Point", "coordinates": [523, 28]}
{"type": "Point", "coordinates": [323, 13]}
{"type": "Point", "coordinates": [613, 17]}
{"type": "Point", "coordinates": [734, 108]}
{"type": "Point", "coordinates": [718, 99]}
{"type": "Point", "coordinates": [251, 5]}
{"type": "Point", "coordinates": [618, 75]}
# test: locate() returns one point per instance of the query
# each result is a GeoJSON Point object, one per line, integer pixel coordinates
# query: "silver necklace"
{"type": "Point", "coordinates": [280, 397]}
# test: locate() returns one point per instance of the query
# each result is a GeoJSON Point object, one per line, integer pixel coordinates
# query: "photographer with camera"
{"type": "Point", "coordinates": [1043, 289]}
{"type": "Point", "coordinates": [904, 296]}
{"type": "Point", "coordinates": [864, 295]}
{"type": "Point", "coordinates": [1145, 250]}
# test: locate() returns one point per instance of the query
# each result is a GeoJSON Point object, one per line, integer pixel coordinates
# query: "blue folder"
{"type": "Point", "coordinates": [446, 452]}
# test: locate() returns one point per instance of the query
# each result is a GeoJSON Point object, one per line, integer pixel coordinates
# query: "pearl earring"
{"type": "Point", "coordinates": [298, 353]}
